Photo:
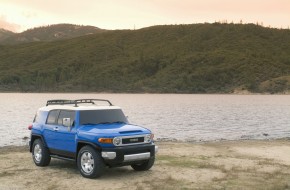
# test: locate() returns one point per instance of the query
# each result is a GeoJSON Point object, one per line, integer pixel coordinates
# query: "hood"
{"type": "Point", "coordinates": [113, 129]}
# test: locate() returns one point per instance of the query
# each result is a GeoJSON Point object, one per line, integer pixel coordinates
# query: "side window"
{"type": "Point", "coordinates": [52, 116]}
{"type": "Point", "coordinates": [66, 114]}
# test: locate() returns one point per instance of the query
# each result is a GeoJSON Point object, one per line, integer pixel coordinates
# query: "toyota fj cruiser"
{"type": "Point", "coordinates": [92, 135]}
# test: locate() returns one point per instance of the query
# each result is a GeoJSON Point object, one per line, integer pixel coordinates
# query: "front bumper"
{"type": "Point", "coordinates": [127, 155]}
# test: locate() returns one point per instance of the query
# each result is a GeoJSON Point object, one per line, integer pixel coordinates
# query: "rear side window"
{"type": "Point", "coordinates": [40, 117]}
{"type": "Point", "coordinates": [52, 116]}
{"type": "Point", "coordinates": [66, 114]}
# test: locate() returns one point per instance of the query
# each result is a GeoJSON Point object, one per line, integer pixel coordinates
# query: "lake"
{"type": "Point", "coordinates": [184, 117]}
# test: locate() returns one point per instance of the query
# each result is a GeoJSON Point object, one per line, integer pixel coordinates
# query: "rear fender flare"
{"type": "Point", "coordinates": [33, 138]}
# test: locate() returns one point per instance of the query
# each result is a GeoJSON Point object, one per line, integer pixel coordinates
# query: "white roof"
{"type": "Point", "coordinates": [80, 107]}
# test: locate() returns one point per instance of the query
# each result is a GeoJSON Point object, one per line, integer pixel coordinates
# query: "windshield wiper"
{"type": "Point", "coordinates": [103, 123]}
{"type": "Point", "coordinates": [89, 123]}
{"type": "Point", "coordinates": [111, 122]}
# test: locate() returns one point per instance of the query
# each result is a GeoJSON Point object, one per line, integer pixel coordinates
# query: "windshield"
{"type": "Point", "coordinates": [102, 116]}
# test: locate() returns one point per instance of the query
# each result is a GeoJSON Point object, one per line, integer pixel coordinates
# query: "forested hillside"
{"type": "Point", "coordinates": [49, 33]}
{"type": "Point", "coordinates": [197, 58]}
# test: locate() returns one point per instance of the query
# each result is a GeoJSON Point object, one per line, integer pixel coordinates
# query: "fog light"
{"type": "Point", "coordinates": [117, 141]}
{"type": "Point", "coordinates": [109, 155]}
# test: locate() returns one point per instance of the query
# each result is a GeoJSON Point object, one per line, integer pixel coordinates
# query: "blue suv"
{"type": "Point", "coordinates": [92, 135]}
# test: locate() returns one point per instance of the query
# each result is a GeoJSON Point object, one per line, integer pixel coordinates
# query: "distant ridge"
{"type": "Point", "coordinates": [50, 33]}
{"type": "Point", "coordinates": [4, 34]}
{"type": "Point", "coordinates": [196, 58]}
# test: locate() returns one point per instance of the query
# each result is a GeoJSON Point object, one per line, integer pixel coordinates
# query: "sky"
{"type": "Point", "coordinates": [20, 15]}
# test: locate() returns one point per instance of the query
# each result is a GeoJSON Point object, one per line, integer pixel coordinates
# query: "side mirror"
{"type": "Point", "coordinates": [66, 122]}
{"type": "Point", "coordinates": [127, 118]}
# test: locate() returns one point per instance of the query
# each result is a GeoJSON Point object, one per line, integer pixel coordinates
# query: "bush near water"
{"type": "Point", "coordinates": [196, 58]}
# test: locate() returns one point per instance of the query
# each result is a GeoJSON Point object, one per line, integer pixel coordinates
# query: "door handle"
{"type": "Point", "coordinates": [55, 129]}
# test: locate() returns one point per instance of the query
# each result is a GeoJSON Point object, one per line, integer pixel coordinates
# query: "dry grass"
{"type": "Point", "coordinates": [254, 172]}
{"type": "Point", "coordinates": [178, 166]}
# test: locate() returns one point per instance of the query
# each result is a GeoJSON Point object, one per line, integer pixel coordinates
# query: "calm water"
{"type": "Point", "coordinates": [170, 116]}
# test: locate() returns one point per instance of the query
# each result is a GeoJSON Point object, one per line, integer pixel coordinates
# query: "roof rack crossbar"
{"type": "Point", "coordinates": [92, 101]}
{"type": "Point", "coordinates": [76, 102]}
{"type": "Point", "coordinates": [58, 102]}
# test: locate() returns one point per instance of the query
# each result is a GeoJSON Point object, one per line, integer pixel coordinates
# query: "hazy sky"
{"type": "Point", "coordinates": [19, 15]}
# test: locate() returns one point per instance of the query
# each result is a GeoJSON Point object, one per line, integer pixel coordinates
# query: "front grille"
{"type": "Point", "coordinates": [132, 140]}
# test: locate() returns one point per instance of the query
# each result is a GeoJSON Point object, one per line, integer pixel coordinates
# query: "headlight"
{"type": "Point", "coordinates": [147, 138]}
{"type": "Point", "coordinates": [117, 141]}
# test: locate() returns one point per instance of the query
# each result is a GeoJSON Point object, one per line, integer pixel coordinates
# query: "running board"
{"type": "Point", "coordinates": [63, 158]}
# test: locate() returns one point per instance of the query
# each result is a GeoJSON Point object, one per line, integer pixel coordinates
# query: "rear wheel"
{"type": "Point", "coordinates": [40, 153]}
{"type": "Point", "coordinates": [90, 162]}
{"type": "Point", "coordinates": [145, 165]}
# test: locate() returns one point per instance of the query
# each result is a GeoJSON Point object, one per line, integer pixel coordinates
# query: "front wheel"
{"type": "Point", "coordinates": [145, 165]}
{"type": "Point", "coordinates": [40, 153]}
{"type": "Point", "coordinates": [90, 162]}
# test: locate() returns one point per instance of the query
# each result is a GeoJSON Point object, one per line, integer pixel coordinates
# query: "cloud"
{"type": "Point", "coordinates": [29, 14]}
{"type": "Point", "coordinates": [8, 25]}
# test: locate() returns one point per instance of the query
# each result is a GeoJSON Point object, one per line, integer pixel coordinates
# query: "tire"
{"type": "Point", "coordinates": [40, 153]}
{"type": "Point", "coordinates": [145, 165]}
{"type": "Point", "coordinates": [90, 163]}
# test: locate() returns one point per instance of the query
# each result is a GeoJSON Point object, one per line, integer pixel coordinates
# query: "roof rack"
{"type": "Point", "coordinates": [76, 102]}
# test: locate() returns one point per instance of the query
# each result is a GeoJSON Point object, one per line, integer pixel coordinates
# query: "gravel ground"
{"type": "Point", "coordinates": [219, 165]}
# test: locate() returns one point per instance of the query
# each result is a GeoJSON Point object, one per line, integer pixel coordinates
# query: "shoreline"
{"type": "Point", "coordinates": [173, 140]}
{"type": "Point", "coordinates": [248, 164]}
{"type": "Point", "coordinates": [153, 93]}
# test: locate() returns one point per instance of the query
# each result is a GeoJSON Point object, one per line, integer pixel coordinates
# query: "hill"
{"type": "Point", "coordinates": [50, 33]}
{"type": "Point", "coordinates": [198, 58]}
{"type": "Point", "coordinates": [5, 34]}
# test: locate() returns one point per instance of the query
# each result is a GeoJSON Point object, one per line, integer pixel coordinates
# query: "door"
{"type": "Point", "coordinates": [60, 139]}
{"type": "Point", "coordinates": [49, 129]}
{"type": "Point", "coordinates": [65, 136]}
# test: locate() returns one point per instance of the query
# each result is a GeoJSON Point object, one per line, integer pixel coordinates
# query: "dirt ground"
{"type": "Point", "coordinates": [219, 165]}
